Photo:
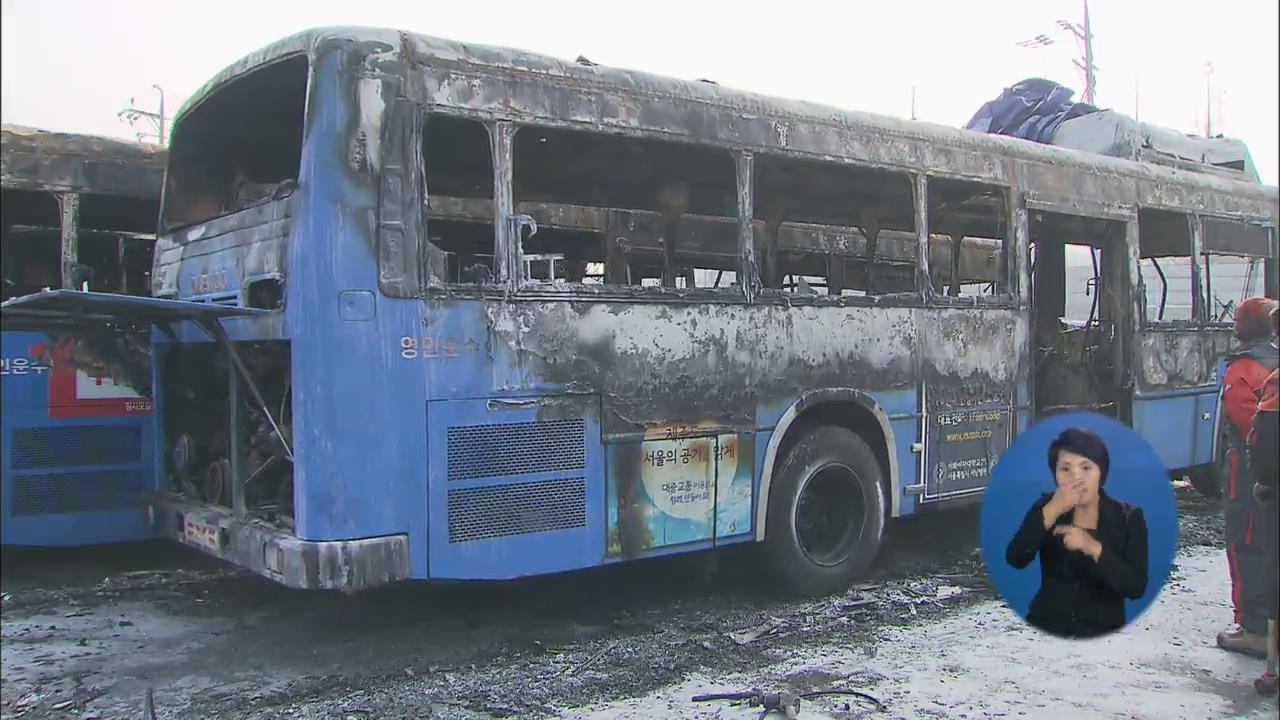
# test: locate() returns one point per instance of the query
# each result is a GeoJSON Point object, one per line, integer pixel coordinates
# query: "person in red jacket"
{"type": "Point", "coordinates": [1249, 364]}
{"type": "Point", "coordinates": [1264, 457]}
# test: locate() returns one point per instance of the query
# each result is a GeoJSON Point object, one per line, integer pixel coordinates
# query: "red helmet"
{"type": "Point", "coordinates": [1253, 320]}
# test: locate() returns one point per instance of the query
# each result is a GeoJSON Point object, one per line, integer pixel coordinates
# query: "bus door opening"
{"type": "Point", "coordinates": [1079, 295]}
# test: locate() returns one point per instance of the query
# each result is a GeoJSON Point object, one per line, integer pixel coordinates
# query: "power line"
{"type": "Point", "coordinates": [158, 120]}
{"type": "Point", "coordinates": [1083, 32]}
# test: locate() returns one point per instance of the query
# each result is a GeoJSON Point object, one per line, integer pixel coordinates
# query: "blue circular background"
{"type": "Point", "coordinates": [1137, 476]}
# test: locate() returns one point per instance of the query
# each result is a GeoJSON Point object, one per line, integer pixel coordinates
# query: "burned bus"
{"type": "Point", "coordinates": [78, 212]}
{"type": "Point", "coordinates": [432, 310]}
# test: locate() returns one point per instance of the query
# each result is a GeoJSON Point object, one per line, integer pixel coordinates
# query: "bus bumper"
{"type": "Point", "coordinates": [280, 555]}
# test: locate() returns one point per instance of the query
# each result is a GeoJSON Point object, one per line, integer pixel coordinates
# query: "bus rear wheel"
{"type": "Point", "coordinates": [826, 513]}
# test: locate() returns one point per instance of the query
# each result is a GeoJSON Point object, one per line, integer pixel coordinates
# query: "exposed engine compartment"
{"type": "Point", "coordinates": [203, 430]}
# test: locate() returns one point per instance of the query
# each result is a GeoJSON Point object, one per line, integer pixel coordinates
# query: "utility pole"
{"type": "Point", "coordinates": [133, 114]}
{"type": "Point", "coordinates": [1084, 34]}
{"type": "Point", "coordinates": [913, 102]}
{"type": "Point", "coordinates": [1208, 99]}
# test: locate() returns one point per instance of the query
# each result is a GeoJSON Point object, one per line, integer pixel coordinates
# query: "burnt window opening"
{"type": "Point", "coordinates": [32, 260]}
{"type": "Point", "coordinates": [114, 243]}
{"type": "Point", "coordinates": [1079, 268]}
{"type": "Point", "coordinates": [618, 210]}
{"type": "Point", "coordinates": [266, 293]}
{"type": "Point", "coordinates": [1076, 268]}
{"type": "Point", "coordinates": [1233, 264]}
{"type": "Point", "coordinates": [1165, 260]}
{"type": "Point", "coordinates": [458, 166]}
{"type": "Point", "coordinates": [30, 243]}
{"type": "Point", "coordinates": [968, 238]}
{"type": "Point", "coordinates": [824, 228]}
{"type": "Point", "coordinates": [242, 146]}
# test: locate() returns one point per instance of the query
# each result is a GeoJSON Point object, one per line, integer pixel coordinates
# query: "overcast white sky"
{"type": "Point", "coordinates": [71, 65]}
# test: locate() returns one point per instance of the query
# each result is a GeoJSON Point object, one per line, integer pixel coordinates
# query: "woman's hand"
{"type": "Point", "coordinates": [1064, 499]}
{"type": "Point", "coordinates": [1076, 538]}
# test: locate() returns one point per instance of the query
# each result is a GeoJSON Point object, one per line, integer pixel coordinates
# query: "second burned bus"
{"type": "Point", "coordinates": [430, 310]}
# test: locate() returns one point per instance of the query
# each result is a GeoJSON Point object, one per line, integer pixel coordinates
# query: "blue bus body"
{"type": "Point", "coordinates": [76, 424]}
{"type": "Point", "coordinates": [78, 450]}
{"type": "Point", "coordinates": [392, 420]}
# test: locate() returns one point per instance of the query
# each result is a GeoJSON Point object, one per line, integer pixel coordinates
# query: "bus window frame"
{"type": "Point", "coordinates": [1016, 237]}
{"type": "Point", "coordinates": [1143, 322]}
{"type": "Point", "coordinates": [1203, 264]}
{"type": "Point", "coordinates": [170, 230]}
{"type": "Point", "coordinates": [749, 288]}
{"type": "Point", "coordinates": [531, 288]}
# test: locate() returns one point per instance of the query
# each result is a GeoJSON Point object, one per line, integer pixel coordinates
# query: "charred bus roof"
{"type": "Point", "coordinates": [35, 159]}
{"type": "Point", "coordinates": [785, 122]}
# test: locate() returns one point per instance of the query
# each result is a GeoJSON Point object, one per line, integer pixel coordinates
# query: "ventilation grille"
{"type": "Point", "coordinates": [77, 492]}
{"type": "Point", "coordinates": [51, 447]}
{"type": "Point", "coordinates": [479, 451]}
{"type": "Point", "coordinates": [517, 509]}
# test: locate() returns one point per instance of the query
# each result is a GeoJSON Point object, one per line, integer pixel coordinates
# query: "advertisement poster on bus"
{"type": "Point", "coordinates": [682, 484]}
{"type": "Point", "coordinates": [78, 375]}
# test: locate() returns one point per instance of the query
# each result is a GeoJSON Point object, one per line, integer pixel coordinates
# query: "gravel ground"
{"type": "Point", "coordinates": [87, 632]}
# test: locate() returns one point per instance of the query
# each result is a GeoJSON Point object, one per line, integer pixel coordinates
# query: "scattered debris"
{"type": "Point", "coordinates": [149, 705]}
{"type": "Point", "coordinates": [742, 637]}
{"type": "Point", "coordinates": [855, 604]}
{"type": "Point", "coordinates": [945, 591]}
{"type": "Point", "coordinates": [783, 702]}
{"type": "Point", "coordinates": [595, 657]}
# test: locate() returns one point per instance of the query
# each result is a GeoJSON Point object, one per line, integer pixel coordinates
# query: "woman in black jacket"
{"type": "Point", "coordinates": [1093, 548]}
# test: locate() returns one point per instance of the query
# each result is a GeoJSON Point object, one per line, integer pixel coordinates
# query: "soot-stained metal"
{"type": "Point", "coordinates": [722, 361]}
{"type": "Point", "coordinates": [36, 159]}
{"type": "Point", "coordinates": [99, 184]}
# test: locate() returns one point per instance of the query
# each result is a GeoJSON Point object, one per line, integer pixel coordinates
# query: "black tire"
{"type": "Point", "coordinates": [826, 515]}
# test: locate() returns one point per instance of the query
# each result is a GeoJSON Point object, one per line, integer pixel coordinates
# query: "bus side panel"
{"type": "Point", "coordinates": [78, 451]}
{"type": "Point", "coordinates": [973, 365]}
{"type": "Point", "coordinates": [358, 392]}
{"type": "Point", "coordinates": [516, 486]}
{"type": "Point", "coordinates": [1175, 405]}
{"type": "Point", "coordinates": [1168, 421]}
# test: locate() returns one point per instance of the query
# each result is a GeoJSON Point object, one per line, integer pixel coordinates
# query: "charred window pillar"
{"type": "Point", "coordinates": [69, 205]}
{"type": "Point", "coordinates": [748, 272]}
{"type": "Point", "coordinates": [924, 284]}
{"type": "Point", "coordinates": [673, 201]}
{"type": "Point", "coordinates": [506, 234]}
{"type": "Point", "coordinates": [870, 230]}
{"type": "Point", "coordinates": [1201, 294]}
{"type": "Point", "coordinates": [1019, 247]}
{"type": "Point", "coordinates": [957, 242]}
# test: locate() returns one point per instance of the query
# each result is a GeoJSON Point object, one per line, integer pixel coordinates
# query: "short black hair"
{"type": "Point", "coordinates": [1085, 443]}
